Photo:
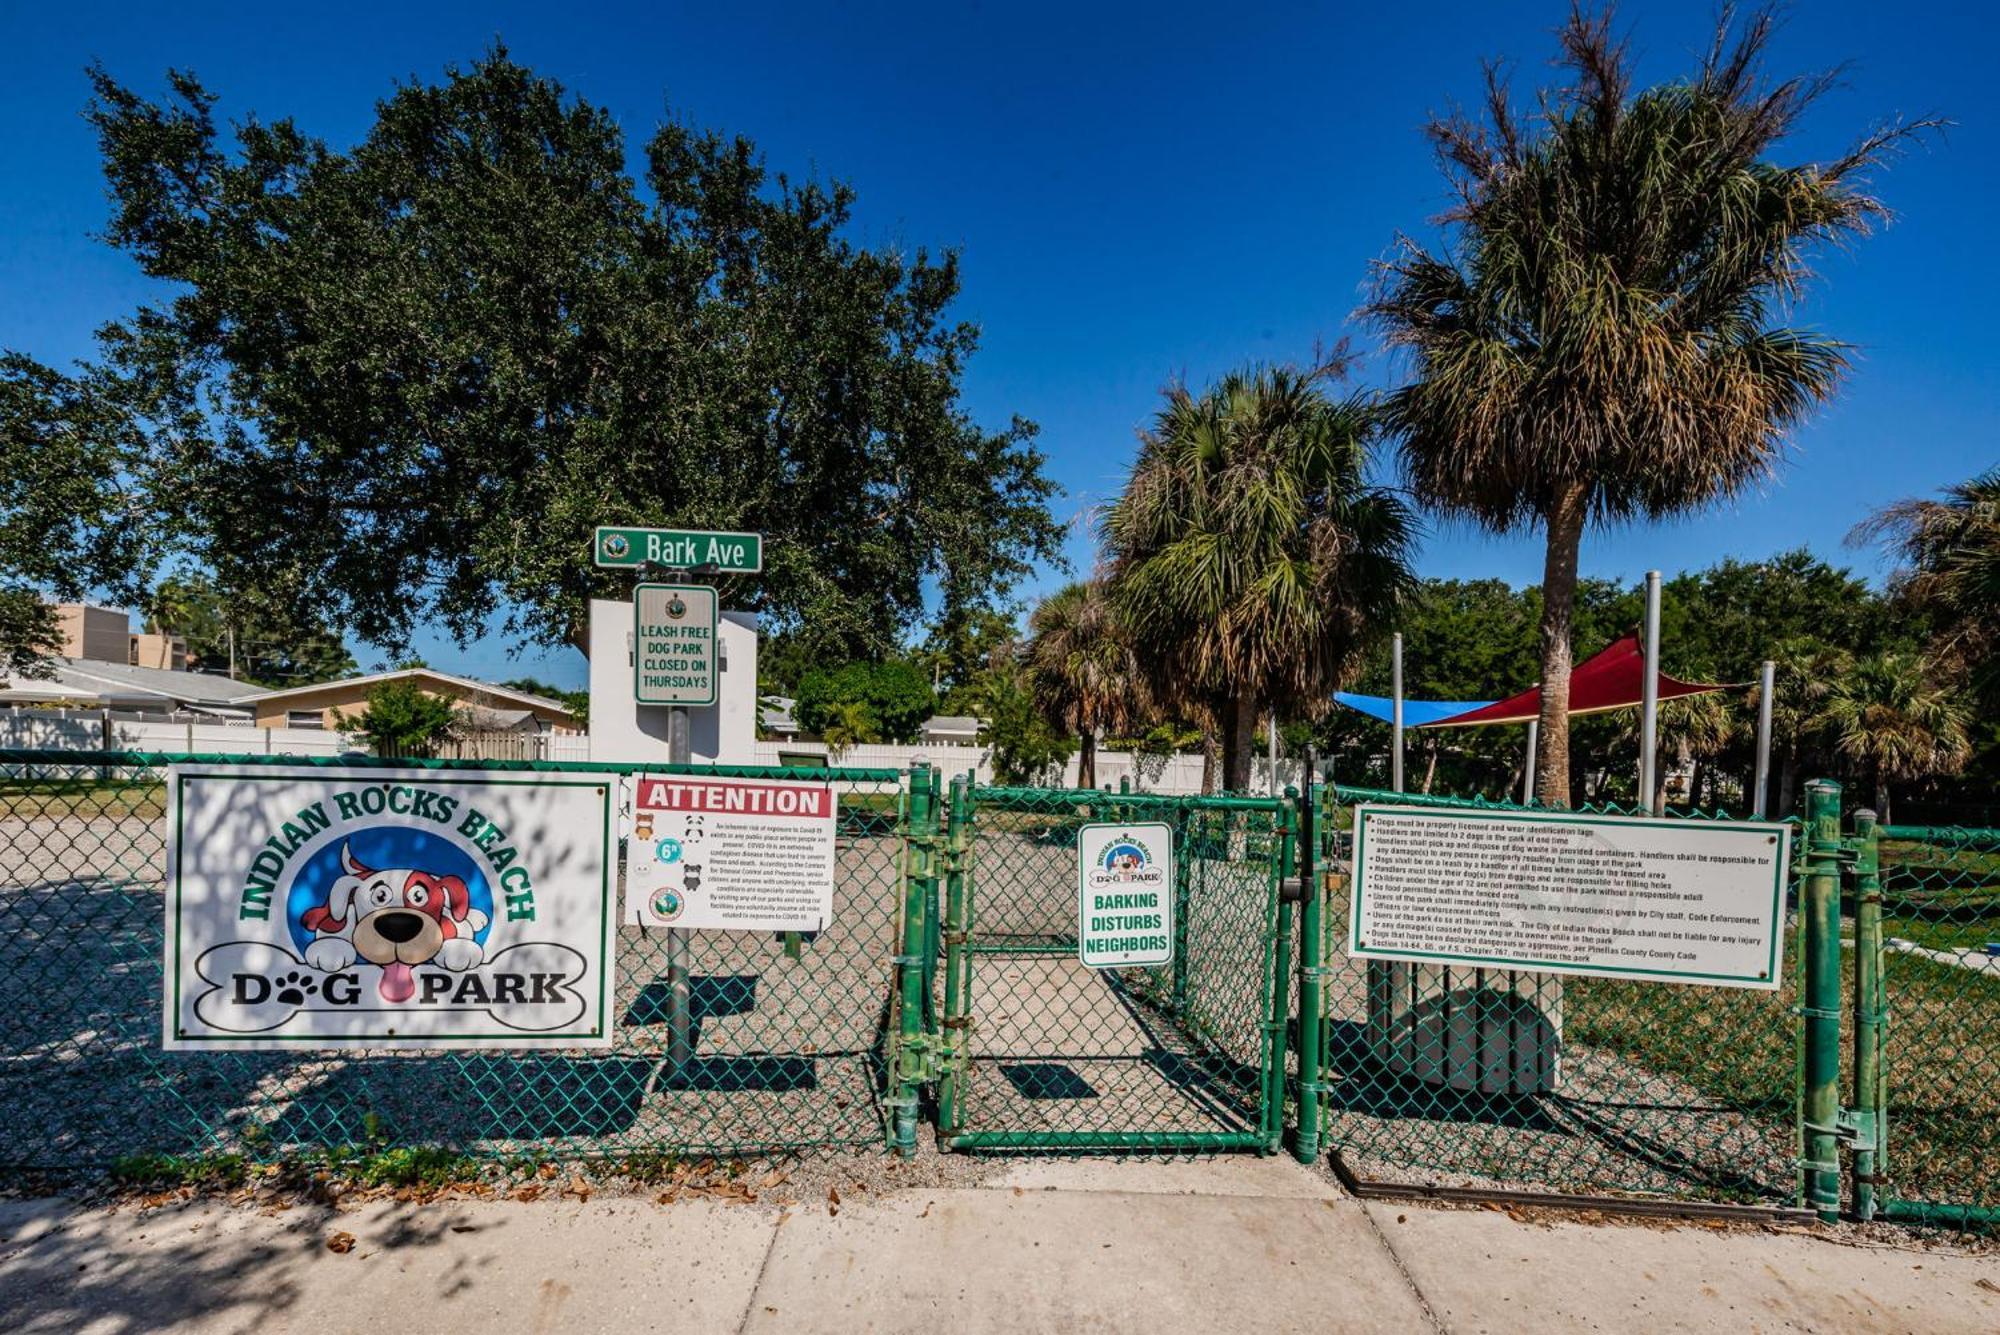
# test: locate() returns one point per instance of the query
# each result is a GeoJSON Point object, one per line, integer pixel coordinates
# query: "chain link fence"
{"type": "Point", "coordinates": [1940, 982]}
{"type": "Point", "coordinates": [786, 1033]}
{"type": "Point", "coordinates": [1461, 1077]}
{"type": "Point", "coordinates": [1047, 1052]}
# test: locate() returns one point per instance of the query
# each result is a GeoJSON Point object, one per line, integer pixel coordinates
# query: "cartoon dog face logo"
{"type": "Point", "coordinates": [397, 919]}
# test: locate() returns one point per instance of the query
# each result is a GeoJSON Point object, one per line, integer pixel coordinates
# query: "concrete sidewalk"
{"type": "Point", "coordinates": [1047, 1246]}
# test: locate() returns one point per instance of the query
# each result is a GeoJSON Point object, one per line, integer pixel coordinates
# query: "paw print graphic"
{"type": "Point", "coordinates": [295, 987]}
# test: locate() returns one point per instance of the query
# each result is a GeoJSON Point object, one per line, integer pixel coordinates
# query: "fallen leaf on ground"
{"type": "Point", "coordinates": [340, 1243]}
{"type": "Point", "coordinates": [833, 1200]}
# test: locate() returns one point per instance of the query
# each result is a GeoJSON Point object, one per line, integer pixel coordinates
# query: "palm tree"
{"type": "Point", "coordinates": [1086, 670]}
{"type": "Point", "coordinates": [1806, 673]}
{"type": "Point", "coordinates": [1599, 342]}
{"type": "Point", "coordinates": [1891, 718]}
{"type": "Point", "coordinates": [1691, 729]}
{"type": "Point", "coordinates": [1249, 555]}
{"type": "Point", "coordinates": [1951, 551]}
{"type": "Point", "coordinates": [848, 724]}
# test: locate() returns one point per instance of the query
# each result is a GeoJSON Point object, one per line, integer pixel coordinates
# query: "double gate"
{"type": "Point", "coordinates": [1032, 1048]}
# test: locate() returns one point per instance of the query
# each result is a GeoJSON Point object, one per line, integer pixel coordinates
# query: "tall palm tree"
{"type": "Point", "coordinates": [1599, 342]}
{"type": "Point", "coordinates": [1951, 554]}
{"type": "Point", "coordinates": [1250, 556]}
{"type": "Point", "coordinates": [1890, 717]}
{"type": "Point", "coordinates": [849, 723]}
{"type": "Point", "coordinates": [1086, 669]}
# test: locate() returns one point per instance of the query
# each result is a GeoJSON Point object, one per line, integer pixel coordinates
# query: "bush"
{"type": "Point", "coordinates": [896, 697]}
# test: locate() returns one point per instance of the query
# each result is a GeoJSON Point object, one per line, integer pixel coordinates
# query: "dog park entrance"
{"type": "Point", "coordinates": [1111, 968]}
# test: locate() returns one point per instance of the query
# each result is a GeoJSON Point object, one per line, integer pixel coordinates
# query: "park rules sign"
{"type": "Point", "coordinates": [1673, 901]}
{"type": "Point", "coordinates": [740, 854]}
{"type": "Point", "coordinates": [384, 908]}
{"type": "Point", "coordinates": [1125, 895]}
{"type": "Point", "coordinates": [674, 644]}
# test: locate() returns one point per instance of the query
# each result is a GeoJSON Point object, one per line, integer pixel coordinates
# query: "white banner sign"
{"type": "Point", "coordinates": [379, 908]}
{"type": "Point", "coordinates": [1125, 895]}
{"type": "Point", "coordinates": [749, 855]}
{"type": "Point", "coordinates": [1684, 901]}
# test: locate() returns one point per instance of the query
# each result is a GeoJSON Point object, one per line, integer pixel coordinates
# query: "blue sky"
{"type": "Point", "coordinates": [1139, 192]}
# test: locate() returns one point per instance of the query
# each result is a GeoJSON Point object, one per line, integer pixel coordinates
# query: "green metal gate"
{"type": "Point", "coordinates": [1039, 1051]}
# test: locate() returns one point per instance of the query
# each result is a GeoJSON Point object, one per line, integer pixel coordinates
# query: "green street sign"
{"type": "Point", "coordinates": [673, 644]}
{"type": "Point", "coordinates": [680, 549]}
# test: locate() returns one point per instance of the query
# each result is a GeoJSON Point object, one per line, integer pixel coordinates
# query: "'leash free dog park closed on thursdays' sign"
{"type": "Point", "coordinates": [1125, 895]}
{"type": "Point", "coordinates": [739, 854]}
{"type": "Point", "coordinates": [673, 644]}
{"type": "Point", "coordinates": [314, 908]}
{"type": "Point", "coordinates": [1685, 901]}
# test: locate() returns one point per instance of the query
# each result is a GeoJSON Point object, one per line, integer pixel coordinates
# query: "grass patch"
{"type": "Point", "coordinates": [162, 1171]}
{"type": "Point", "coordinates": [29, 799]}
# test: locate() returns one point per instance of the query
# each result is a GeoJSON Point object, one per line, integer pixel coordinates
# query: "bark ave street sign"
{"type": "Point", "coordinates": [679, 549]}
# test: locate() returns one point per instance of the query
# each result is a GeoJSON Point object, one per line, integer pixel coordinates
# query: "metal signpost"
{"type": "Point", "coordinates": [674, 643]}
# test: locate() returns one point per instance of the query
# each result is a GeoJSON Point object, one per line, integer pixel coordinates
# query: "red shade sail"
{"type": "Point", "coordinates": [1613, 679]}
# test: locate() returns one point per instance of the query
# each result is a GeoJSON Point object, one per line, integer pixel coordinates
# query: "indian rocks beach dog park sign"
{"type": "Point", "coordinates": [309, 907]}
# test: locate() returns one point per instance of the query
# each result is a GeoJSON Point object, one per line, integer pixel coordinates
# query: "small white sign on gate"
{"type": "Point", "coordinates": [1125, 895]}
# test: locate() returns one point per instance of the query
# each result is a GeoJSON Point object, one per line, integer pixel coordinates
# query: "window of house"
{"type": "Point", "coordinates": [305, 718]}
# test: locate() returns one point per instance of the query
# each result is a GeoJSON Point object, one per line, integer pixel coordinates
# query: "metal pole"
{"type": "Point", "coordinates": [1271, 737]}
{"type": "Point", "coordinates": [1312, 962]}
{"type": "Point", "coordinates": [1396, 724]}
{"type": "Point", "coordinates": [1871, 1149]}
{"type": "Point", "coordinates": [1649, 702]}
{"type": "Point", "coordinates": [1820, 920]}
{"type": "Point", "coordinates": [1767, 683]}
{"type": "Point", "coordinates": [1528, 772]}
{"type": "Point", "coordinates": [680, 979]}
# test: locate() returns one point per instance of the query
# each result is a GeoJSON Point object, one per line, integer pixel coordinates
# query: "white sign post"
{"type": "Point", "coordinates": [386, 908]}
{"type": "Point", "coordinates": [1125, 895]}
{"type": "Point", "coordinates": [1619, 897]}
{"type": "Point", "coordinates": [740, 854]}
{"type": "Point", "coordinates": [673, 644]}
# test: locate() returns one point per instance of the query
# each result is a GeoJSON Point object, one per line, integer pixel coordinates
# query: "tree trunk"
{"type": "Point", "coordinates": [1239, 738]}
{"type": "Point", "coordinates": [1086, 764]}
{"type": "Point", "coordinates": [1430, 768]}
{"type": "Point", "coordinates": [1788, 780]}
{"type": "Point", "coordinates": [1211, 758]}
{"type": "Point", "coordinates": [1565, 539]}
{"type": "Point", "coordinates": [1881, 800]}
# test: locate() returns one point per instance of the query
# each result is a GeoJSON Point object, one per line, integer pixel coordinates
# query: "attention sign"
{"type": "Point", "coordinates": [673, 644]}
{"type": "Point", "coordinates": [680, 549]}
{"type": "Point", "coordinates": [1125, 895]}
{"type": "Point", "coordinates": [1613, 896]}
{"type": "Point", "coordinates": [383, 908]}
{"type": "Point", "coordinates": [742, 854]}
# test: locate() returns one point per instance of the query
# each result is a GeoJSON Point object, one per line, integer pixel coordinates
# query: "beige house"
{"type": "Point", "coordinates": [104, 635]}
{"type": "Point", "coordinates": [486, 708]}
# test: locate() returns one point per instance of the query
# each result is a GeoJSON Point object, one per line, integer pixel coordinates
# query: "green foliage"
{"type": "Point", "coordinates": [1024, 747]}
{"type": "Point", "coordinates": [1250, 556]}
{"type": "Point", "coordinates": [69, 509]}
{"type": "Point", "coordinates": [961, 650]}
{"type": "Point", "coordinates": [896, 697]}
{"type": "Point", "coordinates": [430, 361]}
{"type": "Point", "coordinates": [403, 719]}
{"type": "Point", "coordinates": [1085, 667]}
{"type": "Point", "coordinates": [849, 723]}
{"type": "Point", "coordinates": [271, 646]}
{"type": "Point", "coordinates": [1598, 339]}
{"type": "Point", "coordinates": [213, 1171]}
{"type": "Point", "coordinates": [576, 702]}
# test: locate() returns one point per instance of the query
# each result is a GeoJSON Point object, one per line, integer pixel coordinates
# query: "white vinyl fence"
{"type": "Point", "coordinates": [84, 730]}
{"type": "Point", "coordinates": [1174, 774]}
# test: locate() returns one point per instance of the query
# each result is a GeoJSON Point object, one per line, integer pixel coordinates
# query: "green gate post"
{"type": "Point", "coordinates": [957, 1029]}
{"type": "Point", "coordinates": [1871, 1101]}
{"type": "Point", "coordinates": [1821, 1004]}
{"type": "Point", "coordinates": [1312, 967]}
{"type": "Point", "coordinates": [1188, 818]}
{"type": "Point", "coordinates": [1279, 975]}
{"type": "Point", "coordinates": [919, 888]}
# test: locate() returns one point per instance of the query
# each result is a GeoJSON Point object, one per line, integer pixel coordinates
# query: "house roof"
{"type": "Point", "coordinates": [952, 723]}
{"type": "Point", "coordinates": [119, 684]}
{"type": "Point", "coordinates": [466, 684]}
{"type": "Point", "coordinates": [775, 712]}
